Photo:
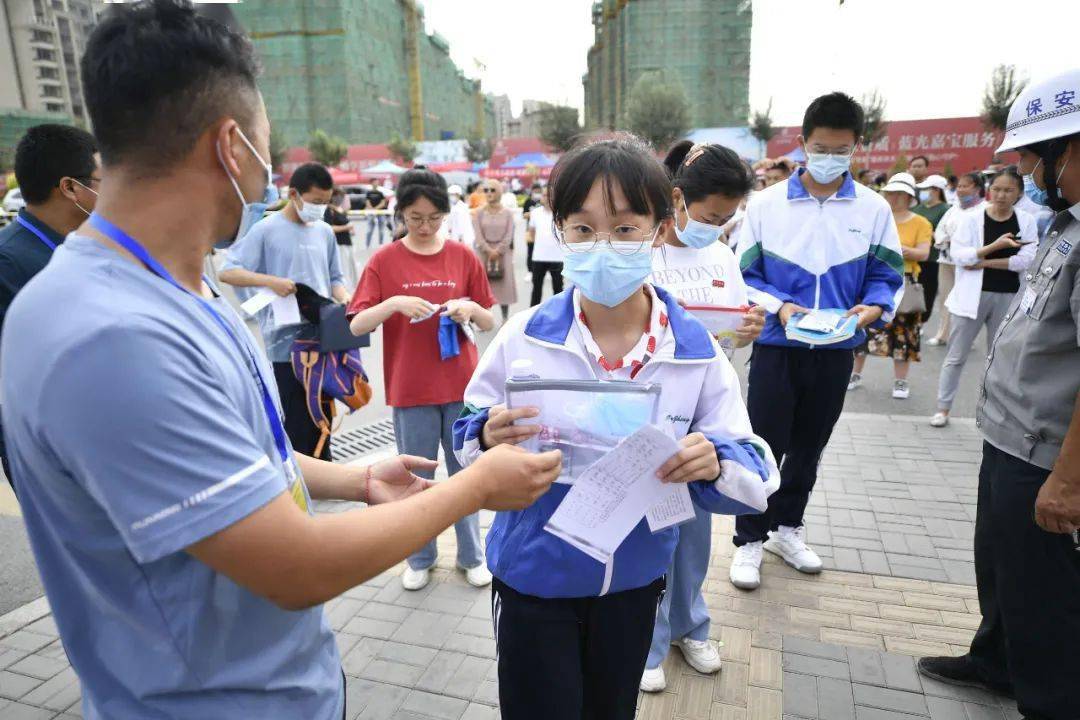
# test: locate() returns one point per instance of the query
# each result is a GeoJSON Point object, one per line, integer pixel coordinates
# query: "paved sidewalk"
{"type": "Point", "coordinates": [833, 646]}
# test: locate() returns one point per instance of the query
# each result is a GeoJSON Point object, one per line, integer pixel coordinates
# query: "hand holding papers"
{"type": "Point", "coordinates": [286, 310]}
{"type": "Point", "coordinates": [611, 496]}
{"type": "Point", "coordinates": [821, 327]}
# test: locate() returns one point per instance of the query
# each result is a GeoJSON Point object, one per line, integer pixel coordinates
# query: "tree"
{"type": "Point", "coordinates": [948, 171]}
{"type": "Point", "coordinates": [277, 148]}
{"type": "Point", "coordinates": [1001, 92]}
{"type": "Point", "coordinates": [478, 149]}
{"type": "Point", "coordinates": [403, 149]}
{"type": "Point", "coordinates": [761, 126]}
{"type": "Point", "coordinates": [559, 126]}
{"type": "Point", "coordinates": [326, 149]}
{"type": "Point", "coordinates": [874, 125]}
{"type": "Point", "coordinates": [900, 165]}
{"type": "Point", "coordinates": [657, 110]}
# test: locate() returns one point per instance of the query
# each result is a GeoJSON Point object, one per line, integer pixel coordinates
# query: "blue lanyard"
{"type": "Point", "coordinates": [132, 246]}
{"type": "Point", "coordinates": [41, 236]}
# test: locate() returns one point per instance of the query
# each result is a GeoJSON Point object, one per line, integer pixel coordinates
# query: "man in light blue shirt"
{"type": "Point", "coordinates": [292, 246]}
{"type": "Point", "coordinates": [169, 517]}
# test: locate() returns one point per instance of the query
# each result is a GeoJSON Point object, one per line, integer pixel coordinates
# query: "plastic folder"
{"type": "Point", "coordinates": [583, 418]}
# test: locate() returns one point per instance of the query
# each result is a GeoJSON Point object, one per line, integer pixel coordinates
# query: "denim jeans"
{"type": "Point", "coordinates": [418, 431]}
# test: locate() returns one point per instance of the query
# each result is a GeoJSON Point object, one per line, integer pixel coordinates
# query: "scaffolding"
{"type": "Point", "coordinates": [363, 71]}
{"type": "Point", "coordinates": [702, 44]}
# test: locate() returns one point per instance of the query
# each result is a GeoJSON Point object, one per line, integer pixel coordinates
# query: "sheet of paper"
{"type": "Point", "coordinates": [434, 309]}
{"type": "Point", "coordinates": [612, 495]}
{"type": "Point", "coordinates": [286, 311]}
{"type": "Point", "coordinates": [258, 301]}
{"type": "Point", "coordinates": [818, 321]}
{"type": "Point", "coordinates": [675, 509]}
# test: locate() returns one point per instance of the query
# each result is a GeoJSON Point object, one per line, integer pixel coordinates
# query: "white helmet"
{"type": "Point", "coordinates": [1047, 109]}
{"type": "Point", "coordinates": [453, 190]}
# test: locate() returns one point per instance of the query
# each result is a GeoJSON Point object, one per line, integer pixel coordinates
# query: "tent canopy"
{"type": "Point", "coordinates": [385, 167]}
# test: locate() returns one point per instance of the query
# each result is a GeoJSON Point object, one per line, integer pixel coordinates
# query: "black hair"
{"type": "Point", "coordinates": [311, 175]}
{"type": "Point", "coordinates": [952, 179]}
{"type": "Point", "coordinates": [704, 170]}
{"type": "Point", "coordinates": [863, 173]}
{"type": "Point", "coordinates": [47, 153]}
{"type": "Point", "coordinates": [1010, 171]}
{"type": "Point", "coordinates": [940, 192]}
{"type": "Point", "coordinates": [977, 180]}
{"type": "Point", "coordinates": [157, 74]}
{"type": "Point", "coordinates": [836, 111]}
{"type": "Point", "coordinates": [537, 186]}
{"type": "Point", "coordinates": [920, 157]}
{"type": "Point", "coordinates": [471, 187]}
{"type": "Point", "coordinates": [422, 183]}
{"type": "Point", "coordinates": [880, 178]}
{"type": "Point", "coordinates": [625, 161]}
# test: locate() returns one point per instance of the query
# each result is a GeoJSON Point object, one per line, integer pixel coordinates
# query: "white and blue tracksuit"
{"type": "Point", "coordinates": [832, 253]}
{"type": "Point", "coordinates": [700, 393]}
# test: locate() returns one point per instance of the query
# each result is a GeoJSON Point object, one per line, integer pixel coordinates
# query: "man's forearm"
{"type": "Point", "coordinates": [1067, 467]}
{"type": "Point", "coordinates": [340, 293]}
{"type": "Point", "coordinates": [329, 481]}
{"type": "Point", "coordinates": [347, 549]}
{"type": "Point", "coordinates": [238, 277]}
{"type": "Point", "coordinates": [995, 264]}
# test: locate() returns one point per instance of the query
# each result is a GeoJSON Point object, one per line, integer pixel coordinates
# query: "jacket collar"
{"type": "Point", "coordinates": [552, 321]}
{"type": "Point", "coordinates": [29, 217]}
{"type": "Point", "coordinates": [797, 191]}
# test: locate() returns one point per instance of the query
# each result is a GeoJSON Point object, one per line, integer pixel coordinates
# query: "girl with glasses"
{"type": "Point", "coordinates": [408, 287]}
{"type": "Point", "coordinates": [572, 632]}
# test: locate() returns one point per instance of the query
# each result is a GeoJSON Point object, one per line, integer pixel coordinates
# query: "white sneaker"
{"type": "Point", "coordinates": [478, 576]}
{"type": "Point", "coordinates": [939, 420]}
{"type": "Point", "coordinates": [856, 381]}
{"type": "Point", "coordinates": [788, 543]}
{"type": "Point", "coordinates": [935, 342]}
{"type": "Point", "coordinates": [701, 655]}
{"type": "Point", "coordinates": [745, 570]}
{"type": "Point", "coordinates": [414, 579]}
{"type": "Point", "coordinates": [653, 680]}
{"type": "Point", "coordinates": [900, 390]}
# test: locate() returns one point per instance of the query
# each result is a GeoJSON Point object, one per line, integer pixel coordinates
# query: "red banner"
{"type": "Point", "coordinates": [963, 144]}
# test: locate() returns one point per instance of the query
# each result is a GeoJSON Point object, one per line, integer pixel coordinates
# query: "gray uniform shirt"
{"type": "Point", "coordinates": [1033, 372]}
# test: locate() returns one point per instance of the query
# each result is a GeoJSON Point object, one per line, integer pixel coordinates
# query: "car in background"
{"type": "Point", "coordinates": [13, 201]}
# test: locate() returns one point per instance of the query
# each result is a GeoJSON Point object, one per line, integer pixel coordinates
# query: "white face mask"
{"type": "Point", "coordinates": [86, 187]}
{"type": "Point", "coordinates": [309, 212]}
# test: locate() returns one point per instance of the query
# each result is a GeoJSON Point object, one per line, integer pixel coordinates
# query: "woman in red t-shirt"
{"type": "Point", "coordinates": [408, 287]}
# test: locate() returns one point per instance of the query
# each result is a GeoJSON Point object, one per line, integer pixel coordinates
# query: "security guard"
{"type": "Point", "coordinates": [1027, 562]}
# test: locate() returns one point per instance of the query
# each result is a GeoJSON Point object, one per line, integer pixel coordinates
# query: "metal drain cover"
{"type": "Point", "coordinates": [348, 446]}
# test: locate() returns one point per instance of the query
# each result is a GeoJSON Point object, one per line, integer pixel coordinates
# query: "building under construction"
{"type": "Point", "coordinates": [702, 44]}
{"type": "Point", "coordinates": [363, 70]}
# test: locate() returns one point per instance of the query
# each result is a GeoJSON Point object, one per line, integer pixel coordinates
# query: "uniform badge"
{"type": "Point", "coordinates": [1064, 247]}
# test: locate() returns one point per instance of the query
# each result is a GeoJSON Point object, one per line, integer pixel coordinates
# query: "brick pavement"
{"type": "Point", "coordinates": [833, 646]}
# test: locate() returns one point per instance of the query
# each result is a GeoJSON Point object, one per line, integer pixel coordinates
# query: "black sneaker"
{"type": "Point", "coordinates": [958, 671]}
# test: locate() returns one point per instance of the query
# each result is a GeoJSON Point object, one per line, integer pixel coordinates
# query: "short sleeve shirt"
{"type": "Point", "coordinates": [413, 369]}
{"type": "Point", "coordinates": [302, 253]}
{"type": "Point", "coordinates": [545, 247]}
{"type": "Point", "coordinates": [914, 231]}
{"type": "Point", "coordinates": [136, 429]}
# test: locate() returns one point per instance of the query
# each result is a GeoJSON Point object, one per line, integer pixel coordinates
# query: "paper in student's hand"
{"type": "Point", "coordinates": [258, 301]}
{"type": "Point", "coordinates": [611, 496]}
{"type": "Point", "coordinates": [286, 311]}
{"type": "Point", "coordinates": [816, 321]}
{"type": "Point", "coordinates": [675, 509]}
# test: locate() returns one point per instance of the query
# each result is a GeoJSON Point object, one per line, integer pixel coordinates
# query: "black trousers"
{"type": "Point", "coordinates": [303, 433]}
{"type": "Point", "coordinates": [539, 270]}
{"type": "Point", "coordinates": [528, 256]}
{"type": "Point", "coordinates": [1029, 593]}
{"type": "Point", "coordinates": [928, 276]}
{"type": "Point", "coordinates": [574, 658]}
{"type": "Point", "coordinates": [794, 397]}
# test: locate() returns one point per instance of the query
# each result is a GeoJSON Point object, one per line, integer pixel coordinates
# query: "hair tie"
{"type": "Point", "coordinates": [694, 153]}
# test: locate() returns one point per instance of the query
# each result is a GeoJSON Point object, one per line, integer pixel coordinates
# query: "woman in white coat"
{"type": "Point", "coordinates": [991, 249]}
{"type": "Point", "coordinates": [970, 191]}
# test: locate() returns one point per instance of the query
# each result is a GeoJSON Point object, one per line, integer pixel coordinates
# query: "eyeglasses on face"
{"type": "Point", "coordinates": [417, 221]}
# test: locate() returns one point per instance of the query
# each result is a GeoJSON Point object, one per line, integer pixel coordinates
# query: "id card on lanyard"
{"type": "Point", "coordinates": [132, 245]}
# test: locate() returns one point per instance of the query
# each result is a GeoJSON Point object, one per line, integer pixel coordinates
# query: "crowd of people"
{"type": "Point", "coordinates": [166, 464]}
